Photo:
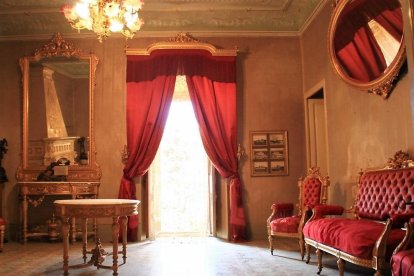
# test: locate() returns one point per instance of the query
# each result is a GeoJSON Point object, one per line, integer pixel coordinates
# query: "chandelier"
{"type": "Point", "coordinates": [105, 16]}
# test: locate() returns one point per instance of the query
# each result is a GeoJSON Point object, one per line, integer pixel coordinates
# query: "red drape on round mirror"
{"type": "Point", "coordinates": [355, 45]}
{"type": "Point", "coordinates": [362, 58]}
{"type": "Point", "coordinates": [212, 86]}
{"type": "Point", "coordinates": [388, 14]}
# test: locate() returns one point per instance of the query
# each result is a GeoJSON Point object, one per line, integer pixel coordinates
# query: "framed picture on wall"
{"type": "Point", "coordinates": [269, 153]}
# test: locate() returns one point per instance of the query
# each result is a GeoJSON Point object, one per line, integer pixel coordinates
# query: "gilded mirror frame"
{"type": "Point", "coordinates": [58, 48]}
{"type": "Point", "coordinates": [382, 85]}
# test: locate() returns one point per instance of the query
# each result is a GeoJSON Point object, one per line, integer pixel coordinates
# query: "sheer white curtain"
{"type": "Point", "coordinates": [179, 175]}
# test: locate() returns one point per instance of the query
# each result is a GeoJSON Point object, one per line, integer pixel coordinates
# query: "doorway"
{"type": "Point", "coordinates": [180, 178]}
{"type": "Point", "coordinates": [316, 131]}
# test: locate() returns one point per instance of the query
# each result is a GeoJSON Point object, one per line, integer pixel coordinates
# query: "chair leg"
{"type": "Point", "coordinates": [2, 228]}
{"type": "Point", "coordinates": [307, 246]}
{"type": "Point", "coordinates": [340, 263]}
{"type": "Point", "coordinates": [271, 239]}
{"type": "Point", "coordinates": [302, 248]}
{"type": "Point", "coordinates": [319, 255]}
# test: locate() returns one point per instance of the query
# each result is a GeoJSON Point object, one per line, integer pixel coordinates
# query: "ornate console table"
{"type": "Point", "coordinates": [118, 209]}
{"type": "Point", "coordinates": [33, 193]}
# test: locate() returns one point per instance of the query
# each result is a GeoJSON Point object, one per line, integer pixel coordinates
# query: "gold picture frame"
{"type": "Point", "coordinates": [269, 153]}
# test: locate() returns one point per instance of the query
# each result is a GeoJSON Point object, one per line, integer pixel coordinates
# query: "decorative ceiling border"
{"type": "Point", "coordinates": [314, 14]}
{"type": "Point", "coordinates": [162, 34]}
{"type": "Point", "coordinates": [249, 6]}
{"type": "Point", "coordinates": [197, 33]}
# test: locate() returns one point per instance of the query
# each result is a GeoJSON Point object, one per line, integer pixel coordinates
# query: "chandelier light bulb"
{"type": "Point", "coordinates": [116, 26]}
{"type": "Point", "coordinates": [82, 10]}
{"type": "Point", "coordinates": [112, 9]}
{"type": "Point", "coordinates": [105, 16]}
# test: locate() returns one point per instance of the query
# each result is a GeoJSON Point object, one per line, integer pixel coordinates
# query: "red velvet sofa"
{"type": "Point", "coordinates": [368, 238]}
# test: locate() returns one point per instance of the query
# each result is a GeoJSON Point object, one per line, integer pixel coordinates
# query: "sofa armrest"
{"type": "Point", "coordinates": [398, 220]}
{"type": "Point", "coordinates": [408, 238]}
{"type": "Point", "coordinates": [319, 211]}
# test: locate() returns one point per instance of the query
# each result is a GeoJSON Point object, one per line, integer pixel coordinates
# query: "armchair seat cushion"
{"type": "Point", "coordinates": [285, 225]}
{"type": "Point", "coordinates": [337, 232]}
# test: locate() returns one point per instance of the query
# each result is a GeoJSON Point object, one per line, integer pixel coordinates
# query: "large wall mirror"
{"type": "Point", "coordinates": [366, 43]}
{"type": "Point", "coordinates": [58, 83]}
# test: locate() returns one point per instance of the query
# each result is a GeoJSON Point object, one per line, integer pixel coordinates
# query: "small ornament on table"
{"type": "Point", "coordinates": [83, 157]}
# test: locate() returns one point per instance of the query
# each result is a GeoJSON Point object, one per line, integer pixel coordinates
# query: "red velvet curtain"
{"type": "Point", "coordinates": [214, 105]}
{"type": "Point", "coordinates": [354, 42]}
{"type": "Point", "coordinates": [148, 103]}
{"type": "Point", "coordinates": [389, 15]}
{"type": "Point", "coordinates": [150, 84]}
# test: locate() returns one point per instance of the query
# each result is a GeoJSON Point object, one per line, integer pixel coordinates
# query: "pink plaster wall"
{"type": "Point", "coordinates": [270, 98]}
{"type": "Point", "coordinates": [364, 130]}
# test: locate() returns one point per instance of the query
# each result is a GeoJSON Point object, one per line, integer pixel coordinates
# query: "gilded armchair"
{"type": "Point", "coordinates": [284, 223]}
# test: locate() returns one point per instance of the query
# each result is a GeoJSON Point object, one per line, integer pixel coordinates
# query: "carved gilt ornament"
{"type": "Point", "coordinates": [183, 41]}
{"type": "Point", "coordinates": [41, 133]}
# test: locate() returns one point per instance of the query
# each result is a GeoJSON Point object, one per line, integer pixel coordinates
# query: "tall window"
{"type": "Point", "coordinates": [179, 178]}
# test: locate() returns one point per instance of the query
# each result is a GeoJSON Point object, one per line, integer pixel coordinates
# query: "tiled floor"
{"type": "Point", "coordinates": [173, 256]}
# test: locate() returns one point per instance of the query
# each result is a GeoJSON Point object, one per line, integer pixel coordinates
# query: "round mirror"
{"type": "Point", "coordinates": [365, 43]}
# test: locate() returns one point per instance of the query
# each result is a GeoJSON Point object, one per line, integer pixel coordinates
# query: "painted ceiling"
{"type": "Point", "coordinates": [38, 19]}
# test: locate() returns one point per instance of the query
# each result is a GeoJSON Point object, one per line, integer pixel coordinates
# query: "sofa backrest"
{"type": "Point", "coordinates": [382, 193]}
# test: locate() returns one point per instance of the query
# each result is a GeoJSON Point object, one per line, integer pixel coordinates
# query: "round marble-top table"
{"type": "Point", "coordinates": [118, 209]}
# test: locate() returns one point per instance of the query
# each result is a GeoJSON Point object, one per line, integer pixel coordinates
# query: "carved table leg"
{"type": "Point", "coordinates": [340, 263]}
{"type": "Point", "coordinates": [24, 219]}
{"type": "Point", "coordinates": [124, 222]}
{"type": "Point", "coordinates": [73, 230]}
{"type": "Point", "coordinates": [65, 237]}
{"type": "Point", "coordinates": [84, 238]}
{"type": "Point", "coordinates": [95, 229]}
{"type": "Point", "coordinates": [319, 255]}
{"type": "Point", "coordinates": [115, 235]}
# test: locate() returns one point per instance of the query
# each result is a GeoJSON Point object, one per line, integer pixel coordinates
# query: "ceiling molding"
{"type": "Point", "coordinates": [158, 34]}
{"type": "Point", "coordinates": [39, 19]}
{"type": "Point", "coordinates": [216, 5]}
{"type": "Point", "coordinates": [314, 14]}
{"type": "Point", "coordinates": [29, 11]}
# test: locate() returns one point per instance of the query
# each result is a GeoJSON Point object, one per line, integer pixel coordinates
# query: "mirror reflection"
{"type": "Point", "coordinates": [58, 114]}
{"type": "Point", "coordinates": [366, 43]}
{"type": "Point", "coordinates": [58, 84]}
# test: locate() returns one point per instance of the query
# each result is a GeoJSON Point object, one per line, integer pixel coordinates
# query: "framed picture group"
{"type": "Point", "coordinates": [269, 153]}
